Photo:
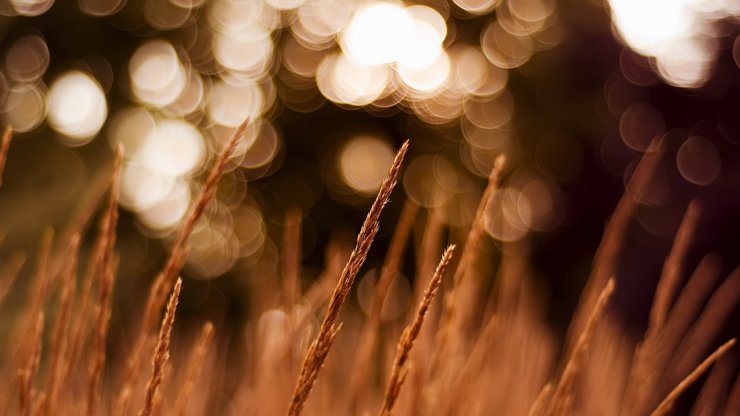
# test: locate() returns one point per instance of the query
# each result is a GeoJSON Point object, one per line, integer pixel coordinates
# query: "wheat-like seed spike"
{"type": "Point", "coordinates": [667, 404]}
{"type": "Point", "coordinates": [4, 146]}
{"type": "Point", "coordinates": [319, 348]}
{"type": "Point", "coordinates": [369, 334]}
{"type": "Point", "coordinates": [562, 395]}
{"type": "Point", "coordinates": [10, 273]}
{"type": "Point", "coordinates": [409, 336]}
{"type": "Point", "coordinates": [161, 352]}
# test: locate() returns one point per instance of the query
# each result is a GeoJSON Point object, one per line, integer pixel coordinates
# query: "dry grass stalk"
{"type": "Point", "coordinates": [540, 403]}
{"type": "Point", "coordinates": [319, 348]}
{"type": "Point", "coordinates": [673, 267]}
{"type": "Point", "coordinates": [60, 339]}
{"type": "Point", "coordinates": [711, 398]}
{"type": "Point", "coordinates": [652, 357]}
{"type": "Point", "coordinates": [399, 371]}
{"type": "Point", "coordinates": [608, 254]}
{"type": "Point", "coordinates": [106, 286]}
{"type": "Point", "coordinates": [158, 290]}
{"type": "Point", "coordinates": [10, 273]}
{"type": "Point", "coordinates": [429, 248]}
{"type": "Point", "coordinates": [161, 352]}
{"type": "Point", "coordinates": [457, 313]}
{"type": "Point", "coordinates": [195, 362]}
{"type": "Point", "coordinates": [459, 369]}
{"type": "Point", "coordinates": [4, 147]}
{"type": "Point", "coordinates": [27, 375]}
{"type": "Point", "coordinates": [667, 404]}
{"type": "Point", "coordinates": [706, 328]}
{"type": "Point", "coordinates": [369, 334]}
{"type": "Point", "coordinates": [562, 396]}
{"type": "Point", "coordinates": [41, 281]}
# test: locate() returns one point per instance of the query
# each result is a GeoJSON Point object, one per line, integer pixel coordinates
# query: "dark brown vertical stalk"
{"type": "Point", "coordinates": [292, 258]}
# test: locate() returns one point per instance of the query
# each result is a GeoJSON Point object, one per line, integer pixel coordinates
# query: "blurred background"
{"type": "Point", "coordinates": [572, 92]}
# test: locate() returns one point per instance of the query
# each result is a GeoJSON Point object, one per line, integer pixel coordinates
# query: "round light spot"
{"type": "Point", "coordinates": [131, 128]}
{"type": "Point", "coordinates": [175, 147]}
{"type": "Point", "coordinates": [639, 125]}
{"type": "Point", "coordinates": [25, 107]}
{"type": "Point", "coordinates": [31, 7]}
{"type": "Point", "coordinates": [364, 162]}
{"type": "Point", "coordinates": [230, 102]}
{"type": "Point", "coordinates": [377, 33]}
{"type": "Point", "coordinates": [427, 79]}
{"type": "Point", "coordinates": [143, 186]}
{"type": "Point", "coordinates": [699, 161]}
{"type": "Point", "coordinates": [477, 7]}
{"type": "Point", "coordinates": [27, 59]}
{"type": "Point", "coordinates": [77, 107]}
{"type": "Point", "coordinates": [157, 75]}
{"type": "Point", "coordinates": [509, 215]}
{"type": "Point", "coordinates": [168, 211]}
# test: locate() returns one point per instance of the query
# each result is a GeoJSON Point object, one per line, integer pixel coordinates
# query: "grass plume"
{"type": "Point", "coordinates": [319, 348]}
{"type": "Point", "coordinates": [399, 371]}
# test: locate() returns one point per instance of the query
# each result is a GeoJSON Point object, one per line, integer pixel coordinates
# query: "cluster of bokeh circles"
{"type": "Point", "coordinates": [237, 59]}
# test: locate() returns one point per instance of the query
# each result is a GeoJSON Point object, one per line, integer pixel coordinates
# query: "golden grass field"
{"type": "Point", "coordinates": [462, 350]}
